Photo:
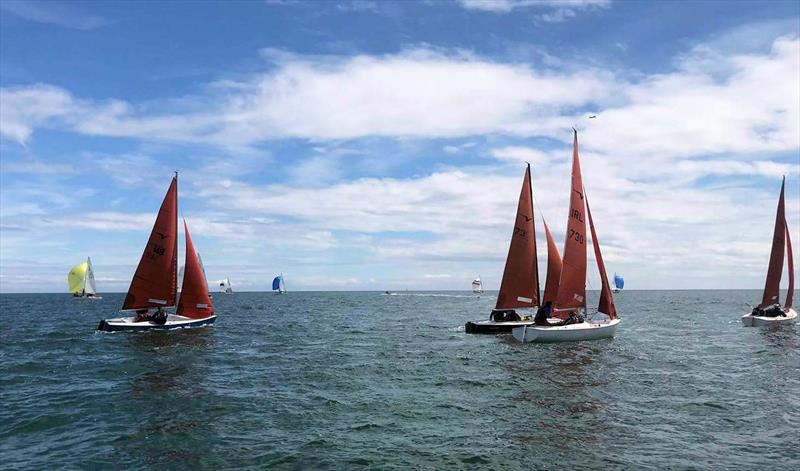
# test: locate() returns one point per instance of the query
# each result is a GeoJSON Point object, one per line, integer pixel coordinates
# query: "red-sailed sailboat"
{"type": "Point", "coordinates": [569, 300]}
{"type": "Point", "coordinates": [770, 311]}
{"type": "Point", "coordinates": [155, 283]}
{"type": "Point", "coordinates": [519, 288]}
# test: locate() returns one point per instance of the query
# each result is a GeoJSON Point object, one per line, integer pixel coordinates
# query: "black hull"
{"type": "Point", "coordinates": [492, 328]}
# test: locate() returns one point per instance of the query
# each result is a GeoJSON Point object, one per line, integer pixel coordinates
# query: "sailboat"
{"type": "Point", "coordinates": [80, 281]}
{"type": "Point", "coordinates": [155, 283]}
{"type": "Point", "coordinates": [477, 286]}
{"type": "Point", "coordinates": [519, 288]}
{"type": "Point", "coordinates": [770, 312]}
{"type": "Point", "coordinates": [570, 297]}
{"type": "Point", "coordinates": [225, 286]}
{"type": "Point", "coordinates": [619, 283]}
{"type": "Point", "coordinates": [278, 285]}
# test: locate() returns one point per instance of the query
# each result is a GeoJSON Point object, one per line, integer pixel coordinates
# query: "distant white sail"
{"type": "Point", "coordinates": [180, 278]}
{"type": "Point", "coordinates": [477, 286]}
{"type": "Point", "coordinates": [225, 286]}
{"type": "Point", "coordinates": [89, 286]}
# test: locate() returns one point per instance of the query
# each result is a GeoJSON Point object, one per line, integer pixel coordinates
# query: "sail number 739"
{"type": "Point", "coordinates": [573, 234]}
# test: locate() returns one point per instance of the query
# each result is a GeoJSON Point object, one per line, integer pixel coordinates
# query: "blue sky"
{"type": "Point", "coordinates": [380, 145]}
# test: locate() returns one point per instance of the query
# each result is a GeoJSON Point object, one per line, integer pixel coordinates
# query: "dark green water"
{"type": "Point", "coordinates": [362, 380]}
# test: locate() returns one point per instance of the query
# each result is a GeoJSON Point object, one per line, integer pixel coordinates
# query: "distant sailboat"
{"type": "Point", "coordinates": [519, 288]}
{"type": "Point", "coordinates": [570, 299]}
{"type": "Point", "coordinates": [80, 281]}
{"type": "Point", "coordinates": [619, 283]}
{"type": "Point", "coordinates": [278, 285]}
{"type": "Point", "coordinates": [770, 311]}
{"type": "Point", "coordinates": [225, 286]}
{"type": "Point", "coordinates": [155, 283]}
{"type": "Point", "coordinates": [477, 286]}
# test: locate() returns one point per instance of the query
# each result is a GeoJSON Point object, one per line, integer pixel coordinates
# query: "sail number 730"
{"type": "Point", "coordinates": [573, 234]}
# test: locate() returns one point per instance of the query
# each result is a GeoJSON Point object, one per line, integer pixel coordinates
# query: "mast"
{"type": "Point", "coordinates": [572, 285]}
{"type": "Point", "coordinates": [519, 287]}
{"type": "Point", "coordinates": [775, 270]}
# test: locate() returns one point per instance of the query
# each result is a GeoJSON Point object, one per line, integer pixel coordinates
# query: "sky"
{"type": "Point", "coordinates": [364, 145]}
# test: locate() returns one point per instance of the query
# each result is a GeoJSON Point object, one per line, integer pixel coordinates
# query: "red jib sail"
{"type": "Point", "coordinates": [520, 285]}
{"type": "Point", "coordinates": [789, 259]}
{"type": "Point", "coordinates": [572, 286]}
{"type": "Point", "coordinates": [606, 305]}
{"type": "Point", "coordinates": [155, 281]}
{"type": "Point", "coordinates": [553, 268]}
{"type": "Point", "coordinates": [772, 286]}
{"type": "Point", "coordinates": [195, 301]}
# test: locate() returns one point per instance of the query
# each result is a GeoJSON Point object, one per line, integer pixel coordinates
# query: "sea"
{"type": "Point", "coordinates": [363, 380]}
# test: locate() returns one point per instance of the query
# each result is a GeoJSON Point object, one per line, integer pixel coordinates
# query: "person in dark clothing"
{"type": "Point", "coordinates": [160, 317]}
{"type": "Point", "coordinates": [142, 316]}
{"type": "Point", "coordinates": [543, 314]}
{"type": "Point", "coordinates": [505, 316]}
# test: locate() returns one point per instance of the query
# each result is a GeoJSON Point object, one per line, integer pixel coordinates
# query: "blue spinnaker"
{"type": "Point", "coordinates": [276, 283]}
{"type": "Point", "coordinates": [619, 282]}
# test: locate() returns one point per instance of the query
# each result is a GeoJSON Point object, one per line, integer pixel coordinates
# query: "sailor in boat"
{"type": "Point", "coordinates": [159, 317]}
{"type": "Point", "coordinates": [774, 310]}
{"type": "Point", "coordinates": [543, 314]}
{"type": "Point", "coordinates": [509, 315]}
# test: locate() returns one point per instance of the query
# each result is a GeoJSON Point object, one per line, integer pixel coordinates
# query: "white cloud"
{"type": "Point", "coordinates": [506, 6]}
{"type": "Point", "coordinates": [53, 12]}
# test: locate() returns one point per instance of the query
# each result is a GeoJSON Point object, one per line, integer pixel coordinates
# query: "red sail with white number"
{"type": "Point", "coordinates": [155, 282]}
{"type": "Point", "coordinates": [773, 283]}
{"type": "Point", "coordinates": [520, 285]}
{"type": "Point", "coordinates": [553, 268]}
{"type": "Point", "coordinates": [572, 286]}
{"type": "Point", "coordinates": [195, 301]}
{"type": "Point", "coordinates": [606, 305]}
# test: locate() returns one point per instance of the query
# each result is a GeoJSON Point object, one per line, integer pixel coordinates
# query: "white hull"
{"type": "Point", "coordinates": [173, 322]}
{"type": "Point", "coordinates": [566, 333]}
{"type": "Point", "coordinates": [87, 297]}
{"type": "Point", "coordinates": [749, 320]}
{"type": "Point", "coordinates": [616, 290]}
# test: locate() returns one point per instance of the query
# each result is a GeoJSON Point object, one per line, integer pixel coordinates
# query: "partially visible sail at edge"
{"type": "Point", "coordinates": [155, 282]}
{"type": "Point", "coordinates": [520, 284]}
{"type": "Point", "coordinates": [572, 286]}
{"type": "Point", "coordinates": [606, 305]}
{"type": "Point", "coordinates": [772, 285]}
{"type": "Point", "coordinates": [194, 302]}
{"type": "Point", "coordinates": [790, 259]}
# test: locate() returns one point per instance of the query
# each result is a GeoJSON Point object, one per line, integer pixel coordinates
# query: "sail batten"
{"type": "Point", "coordinates": [519, 287]}
{"type": "Point", "coordinates": [195, 301]}
{"type": "Point", "coordinates": [156, 276]}
{"type": "Point", "coordinates": [572, 285]}
{"type": "Point", "coordinates": [775, 270]}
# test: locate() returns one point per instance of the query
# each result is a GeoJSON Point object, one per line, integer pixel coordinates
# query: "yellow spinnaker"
{"type": "Point", "coordinates": [76, 277]}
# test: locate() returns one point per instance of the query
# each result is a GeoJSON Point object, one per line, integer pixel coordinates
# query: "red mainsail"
{"type": "Point", "coordinates": [790, 260]}
{"type": "Point", "coordinates": [772, 286]}
{"type": "Point", "coordinates": [195, 301]}
{"type": "Point", "coordinates": [520, 284]}
{"type": "Point", "coordinates": [156, 278]}
{"type": "Point", "coordinates": [572, 286]}
{"type": "Point", "coordinates": [553, 268]}
{"type": "Point", "coordinates": [606, 305]}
